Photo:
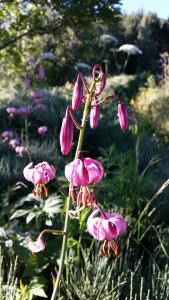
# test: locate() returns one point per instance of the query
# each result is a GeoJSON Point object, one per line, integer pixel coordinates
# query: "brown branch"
{"type": "Point", "coordinates": [13, 40]}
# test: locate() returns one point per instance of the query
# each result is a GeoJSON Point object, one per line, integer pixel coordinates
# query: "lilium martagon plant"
{"type": "Point", "coordinates": [83, 173]}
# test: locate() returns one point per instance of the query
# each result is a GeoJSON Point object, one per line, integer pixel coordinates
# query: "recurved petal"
{"type": "Point", "coordinates": [47, 169]}
{"type": "Point", "coordinates": [28, 171]}
{"type": "Point", "coordinates": [95, 170]}
{"type": "Point", "coordinates": [95, 228]}
{"type": "Point", "coordinates": [110, 229]}
{"type": "Point", "coordinates": [38, 177]}
{"type": "Point", "coordinates": [119, 222]}
{"type": "Point", "coordinates": [76, 173]}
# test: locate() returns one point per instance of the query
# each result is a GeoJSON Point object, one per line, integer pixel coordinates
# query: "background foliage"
{"type": "Point", "coordinates": [57, 36]}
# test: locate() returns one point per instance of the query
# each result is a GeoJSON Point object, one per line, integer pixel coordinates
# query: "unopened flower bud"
{"type": "Point", "coordinates": [94, 114]}
{"type": "Point", "coordinates": [66, 133]}
{"type": "Point", "coordinates": [77, 93]}
{"type": "Point", "coordinates": [123, 116]}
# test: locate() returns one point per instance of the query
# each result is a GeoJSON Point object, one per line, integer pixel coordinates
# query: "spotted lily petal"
{"type": "Point", "coordinates": [82, 172]}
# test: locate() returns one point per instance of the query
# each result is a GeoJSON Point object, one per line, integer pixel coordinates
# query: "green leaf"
{"type": "Point", "coordinates": [19, 213]}
{"type": "Point", "coordinates": [31, 216]}
{"type": "Point", "coordinates": [28, 198]}
{"type": "Point", "coordinates": [53, 204]}
{"type": "Point", "coordinates": [71, 243]}
{"type": "Point", "coordinates": [38, 290]}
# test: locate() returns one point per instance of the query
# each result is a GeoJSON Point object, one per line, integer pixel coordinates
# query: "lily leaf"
{"type": "Point", "coordinates": [31, 216]}
{"type": "Point", "coordinates": [19, 213]}
{"type": "Point", "coordinates": [53, 204]}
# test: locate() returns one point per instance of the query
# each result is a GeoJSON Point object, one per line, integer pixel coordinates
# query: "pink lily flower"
{"type": "Point", "coordinates": [36, 246]}
{"type": "Point", "coordinates": [42, 130]}
{"type": "Point", "coordinates": [108, 227]}
{"type": "Point", "coordinates": [123, 116]}
{"type": "Point", "coordinates": [21, 150]}
{"type": "Point", "coordinates": [39, 175]}
{"type": "Point", "coordinates": [7, 135]}
{"type": "Point", "coordinates": [94, 114]}
{"type": "Point", "coordinates": [42, 173]}
{"type": "Point", "coordinates": [82, 172]}
{"type": "Point", "coordinates": [14, 143]}
{"type": "Point", "coordinates": [66, 133]}
{"type": "Point", "coordinates": [24, 111]}
{"type": "Point", "coordinates": [12, 111]}
{"type": "Point", "coordinates": [77, 93]}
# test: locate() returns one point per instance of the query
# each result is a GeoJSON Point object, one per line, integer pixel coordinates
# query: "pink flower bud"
{"type": "Point", "coordinates": [94, 114]}
{"type": "Point", "coordinates": [36, 246]}
{"type": "Point", "coordinates": [42, 130]}
{"type": "Point", "coordinates": [82, 172]}
{"type": "Point", "coordinates": [123, 116]}
{"type": "Point", "coordinates": [66, 133]}
{"type": "Point", "coordinates": [77, 93]}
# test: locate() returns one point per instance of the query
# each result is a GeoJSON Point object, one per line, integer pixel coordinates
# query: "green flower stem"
{"type": "Point", "coordinates": [68, 203]}
{"type": "Point", "coordinates": [84, 120]}
{"type": "Point", "coordinates": [52, 231]}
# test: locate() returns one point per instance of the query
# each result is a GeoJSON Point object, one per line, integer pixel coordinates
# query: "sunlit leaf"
{"type": "Point", "coordinates": [19, 213]}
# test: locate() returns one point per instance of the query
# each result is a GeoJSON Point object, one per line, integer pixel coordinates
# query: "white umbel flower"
{"type": "Point", "coordinates": [108, 38]}
{"type": "Point", "coordinates": [129, 49]}
{"type": "Point", "coordinates": [81, 65]}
